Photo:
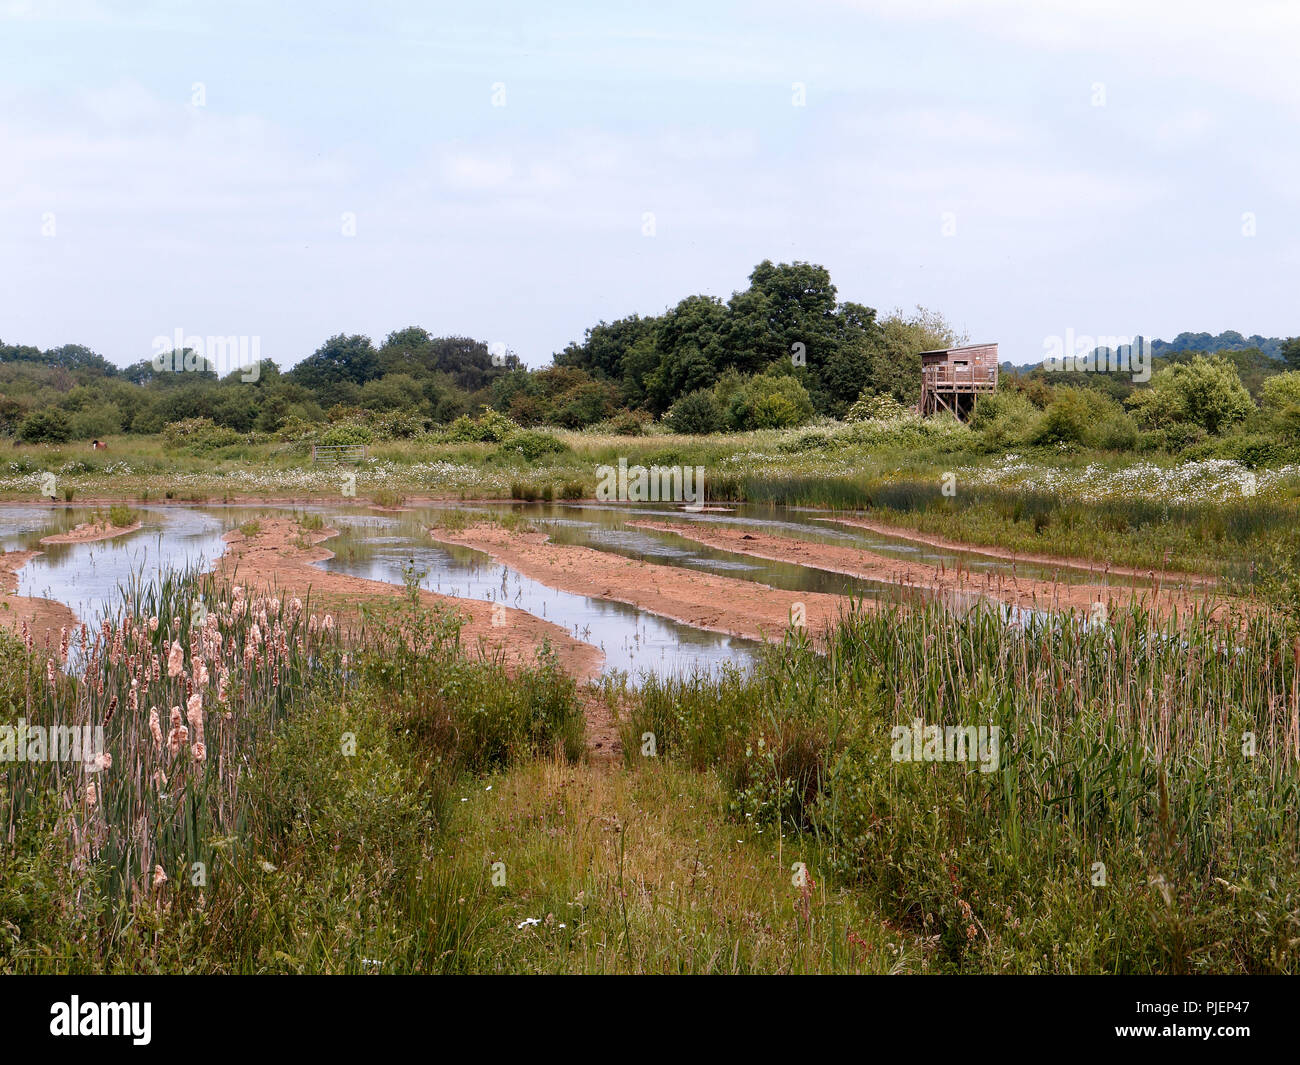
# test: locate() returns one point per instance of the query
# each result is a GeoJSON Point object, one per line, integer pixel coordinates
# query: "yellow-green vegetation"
{"type": "Point", "coordinates": [1141, 814]}
{"type": "Point", "coordinates": [121, 516]}
{"type": "Point", "coordinates": [642, 872]}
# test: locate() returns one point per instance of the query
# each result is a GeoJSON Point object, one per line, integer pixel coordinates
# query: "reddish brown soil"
{"type": "Point", "coordinates": [719, 604]}
{"type": "Point", "coordinates": [276, 558]}
{"type": "Point", "coordinates": [45, 617]}
{"type": "Point", "coordinates": [859, 562]}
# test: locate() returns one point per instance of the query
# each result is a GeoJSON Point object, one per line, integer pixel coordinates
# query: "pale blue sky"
{"type": "Point", "coordinates": [523, 224]}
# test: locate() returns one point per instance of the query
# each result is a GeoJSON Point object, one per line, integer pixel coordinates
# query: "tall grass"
{"type": "Point", "coordinates": [280, 813]}
{"type": "Point", "coordinates": [186, 684]}
{"type": "Point", "coordinates": [1227, 539]}
{"type": "Point", "coordinates": [1166, 753]}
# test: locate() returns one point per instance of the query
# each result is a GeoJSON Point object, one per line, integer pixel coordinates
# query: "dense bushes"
{"type": "Point", "coordinates": [767, 402]}
{"type": "Point", "coordinates": [531, 444]}
{"type": "Point", "coordinates": [489, 427]}
{"type": "Point", "coordinates": [695, 413]}
{"type": "Point", "coordinates": [345, 433]}
{"type": "Point", "coordinates": [198, 435]}
{"type": "Point", "coordinates": [48, 426]}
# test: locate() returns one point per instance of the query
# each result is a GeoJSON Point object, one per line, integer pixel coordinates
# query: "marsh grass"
{"type": "Point", "coordinates": [388, 497]}
{"type": "Point", "coordinates": [121, 516]}
{"type": "Point", "coordinates": [1123, 745]}
{"type": "Point", "coordinates": [354, 801]}
{"type": "Point", "coordinates": [187, 684]}
{"type": "Point", "coordinates": [286, 801]}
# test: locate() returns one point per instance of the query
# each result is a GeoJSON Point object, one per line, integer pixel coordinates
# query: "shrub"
{"type": "Point", "coordinates": [629, 422]}
{"type": "Point", "coordinates": [198, 435]}
{"type": "Point", "coordinates": [1005, 419]}
{"type": "Point", "coordinates": [490, 427]}
{"type": "Point", "coordinates": [1066, 418]}
{"type": "Point", "coordinates": [573, 490]}
{"type": "Point", "coordinates": [531, 444]}
{"type": "Point", "coordinates": [294, 428]}
{"type": "Point", "coordinates": [347, 433]}
{"type": "Point", "coordinates": [1206, 392]}
{"type": "Point", "coordinates": [696, 413]}
{"type": "Point", "coordinates": [399, 424]}
{"type": "Point", "coordinates": [49, 426]}
{"type": "Point", "coordinates": [1085, 416]}
{"type": "Point", "coordinates": [769, 403]}
{"type": "Point", "coordinates": [1280, 398]}
{"type": "Point", "coordinates": [875, 405]}
{"type": "Point", "coordinates": [1280, 391]}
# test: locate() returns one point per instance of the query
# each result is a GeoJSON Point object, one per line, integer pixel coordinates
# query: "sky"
{"type": "Point", "coordinates": [516, 171]}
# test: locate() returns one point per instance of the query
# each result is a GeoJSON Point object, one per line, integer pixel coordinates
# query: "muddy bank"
{"type": "Point", "coordinates": [718, 604]}
{"type": "Point", "coordinates": [1002, 587]}
{"type": "Point", "coordinates": [88, 532]}
{"type": "Point", "coordinates": [279, 557]}
{"type": "Point", "coordinates": [45, 618]}
{"type": "Point", "coordinates": [1062, 562]}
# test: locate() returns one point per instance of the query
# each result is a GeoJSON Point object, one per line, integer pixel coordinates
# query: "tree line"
{"type": "Point", "coordinates": [781, 351]}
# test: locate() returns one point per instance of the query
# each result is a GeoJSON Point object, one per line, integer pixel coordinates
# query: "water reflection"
{"type": "Point", "coordinates": [380, 545]}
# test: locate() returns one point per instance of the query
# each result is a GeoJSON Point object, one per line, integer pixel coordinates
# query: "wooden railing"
{"type": "Point", "coordinates": [949, 377]}
{"type": "Point", "coordinates": [332, 454]}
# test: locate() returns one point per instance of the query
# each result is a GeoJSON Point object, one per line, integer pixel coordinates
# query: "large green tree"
{"type": "Point", "coordinates": [340, 362]}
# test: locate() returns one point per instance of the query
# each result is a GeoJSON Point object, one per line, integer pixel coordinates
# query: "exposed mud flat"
{"type": "Point", "coordinates": [89, 532]}
{"type": "Point", "coordinates": [44, 617]}
{"type": "Point", "coordinates": [1015, 591]}
{"type": "Point", "coordinates": [274, 559]}
{"type": "Point", "coordinates": [1173, 577]}
{"type": "Point", "coordinates": [703, 600]}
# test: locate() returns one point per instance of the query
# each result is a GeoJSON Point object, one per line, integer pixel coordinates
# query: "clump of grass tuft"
{"type": "Point", "coordinates": [516, 523]}
{"type": "Point", "coordinates": [453, 520]}
{"type": "Point", "coordinates": [388, 497]}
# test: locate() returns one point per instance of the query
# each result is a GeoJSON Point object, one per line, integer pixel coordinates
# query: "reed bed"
{"type": "Point", "coordinates": [187, 683]}
{"type": "Point", "coordinates": [1144, 814]}
{"type": "Point", "coordinates": [269, 788]}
